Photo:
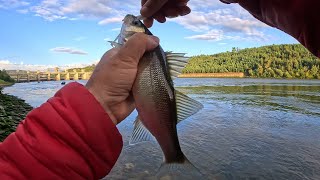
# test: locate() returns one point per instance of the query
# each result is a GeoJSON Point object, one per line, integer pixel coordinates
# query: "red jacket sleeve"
{"type": "Point", "coordinates": [68, 137]}
{"type": "Point", "coordinates": [299, 18]}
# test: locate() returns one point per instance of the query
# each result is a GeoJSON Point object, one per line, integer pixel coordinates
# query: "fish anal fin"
{"type": "Point", "coordinates": [140, 133]}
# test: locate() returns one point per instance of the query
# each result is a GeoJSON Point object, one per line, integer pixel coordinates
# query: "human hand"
{"type": "Point", "coordinates": [160, 9]}
{"type": "Point", "coordinates": [113, 77]}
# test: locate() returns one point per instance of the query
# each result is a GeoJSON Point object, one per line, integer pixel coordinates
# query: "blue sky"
{"type": "Point", "coordinates": [47, 33]}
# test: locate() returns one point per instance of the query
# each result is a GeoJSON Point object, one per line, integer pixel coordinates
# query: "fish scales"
{"type": "Point", "coordinates": [152, 95]}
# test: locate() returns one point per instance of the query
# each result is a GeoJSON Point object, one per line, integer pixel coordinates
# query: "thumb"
{"type": "Point", "coordinates": [136, 46]}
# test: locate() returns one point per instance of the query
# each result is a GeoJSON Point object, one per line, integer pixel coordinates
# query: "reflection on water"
{"type": "Point", "coordinates": [302, 99]}
{"type": "Point", "coordinates": [248, 129]}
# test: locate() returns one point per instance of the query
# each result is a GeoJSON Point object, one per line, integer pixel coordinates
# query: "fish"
{"type": "Point", "coordinates": [159, 105]}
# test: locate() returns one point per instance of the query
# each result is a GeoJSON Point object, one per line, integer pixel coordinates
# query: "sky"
{"type": "Point", "coordinates": [40, 34]}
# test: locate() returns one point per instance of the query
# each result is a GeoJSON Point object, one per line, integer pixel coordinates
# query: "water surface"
{"type": "Point", "coordinates": [248, 129]}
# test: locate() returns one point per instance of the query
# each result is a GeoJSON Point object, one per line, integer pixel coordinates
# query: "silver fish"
{"type": "Point", "coordinates": [160, 107]}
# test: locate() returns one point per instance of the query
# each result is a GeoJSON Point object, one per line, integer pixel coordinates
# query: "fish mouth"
{"type": "Point", "coordinates": [135, 29]}
{"type": "Point", "coordinates": [130, 31]}
{"type": "Point", "coordinates": [128, 34]}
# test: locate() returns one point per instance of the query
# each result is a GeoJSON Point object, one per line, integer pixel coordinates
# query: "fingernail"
{"type": "Point", "coordinates": [171, 17]}
{"type": "Point", "coordinates": [184, 12]}
{"type": "Point", "coordinates": [182, 3]}
{"type": "Point", "coordinates": [154, 40]}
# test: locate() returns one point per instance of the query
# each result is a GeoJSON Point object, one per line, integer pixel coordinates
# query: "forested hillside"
{"type": "Point", "coordinates": [5, 77]}
{"type": "Point", "coordinates": [276, 61]}
{"type": "Point", "coordinates": [86, 69]}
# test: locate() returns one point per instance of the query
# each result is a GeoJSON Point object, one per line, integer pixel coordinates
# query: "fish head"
{"type": "Point", "coordinates": [131, 25]}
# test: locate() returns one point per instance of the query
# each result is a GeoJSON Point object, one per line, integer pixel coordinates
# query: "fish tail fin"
{"type": "Point", "coordinates": [185, 170]}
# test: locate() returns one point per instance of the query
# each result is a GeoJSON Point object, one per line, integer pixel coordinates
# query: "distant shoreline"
{"type": "Point", "coordinates": [212, 75]}
{"type": "Point", "coordinates": [5, 84]}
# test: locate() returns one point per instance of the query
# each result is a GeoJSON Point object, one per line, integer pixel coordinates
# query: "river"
{"type": "Point", "coordinates": [248, 129]}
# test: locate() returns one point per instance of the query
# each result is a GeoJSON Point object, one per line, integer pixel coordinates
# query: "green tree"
{"type": "Point", "coordinates": [5, 77]}
{"type": "Point", "coordinates": [267, 61]}
{"type": "Point", "coordinates": [314, 70]}
{"type": "Point", "coordinates": [287, 75]}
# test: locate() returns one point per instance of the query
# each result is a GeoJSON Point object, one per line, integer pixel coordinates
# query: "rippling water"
{"type": "Point", "coordinates": [248, 129]}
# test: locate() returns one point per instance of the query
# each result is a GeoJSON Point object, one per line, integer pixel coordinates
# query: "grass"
{"type": "Point", "coordinates": [4, 83]}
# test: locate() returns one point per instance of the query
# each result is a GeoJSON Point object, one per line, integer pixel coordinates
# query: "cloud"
{"type": "Point", "coordinates": [200, 4]}
{"type": "Point", "coordinates": [213, 35]}
{"type": "Point", "coordinates": [83, 8]}
{"type": "Point", "coordinates": [116, 29]}
{"type": "Point", "coordinates": [206, 16]}
{"type": "Point", "coordinates": [8, 4]}
{"type": "Point", "coordinates": [68, 50]}
{"type": "Point", "coordinates": [4, 62]}
{"type": "Point", "coordinates": [23, 11]}
{"type": "Point", "coordinates": [231, 21]}
{"type": "Point", "coordinates": [196, 21]}
{"type": "Point", "coordinates": [49, 10]}
{"type": "Point", "coordinates": [111, 20]}
{"type": "Point", "coordinates": [8, 65]}
{"type": "Point", "coordinates": [52, 10]}
{"type": "Point", "coordinates": [80, 38]}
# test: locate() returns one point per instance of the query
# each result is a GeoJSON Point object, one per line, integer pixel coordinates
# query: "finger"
{"type": "Point", "coordinates": [183, 2]}
{"type": "Point", "coordinates": [143, 2]}
{"type": "Point", "coordinates": [184, 10]}
{"type": "Point", "coordinates": [136, 46]}
{"type": "Point", "coordinates": [171, 12]}
{"type": "Point", "coordinates": [130, 105]}
{"type": "Point", "coordinates": [160, 17]}
{"type": "Point", "coordinates": [151, 7]}
{"type": "Point", "coordinates": [125, 109]}
{"type": "Point", "coordinates": [148, 22]}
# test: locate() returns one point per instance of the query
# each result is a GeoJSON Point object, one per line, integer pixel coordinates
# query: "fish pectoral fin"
{"type": "Point", "coordinates": [176, 62]}
{"type": "Point", "coordinates": [186, 106]}
{"type": "Point", "coordinates": [115, 44]}
{"type": "Point", "coordinates": [140, 133]}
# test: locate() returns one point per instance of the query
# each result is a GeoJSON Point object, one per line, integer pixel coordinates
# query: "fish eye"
{"type": "Point", "coordinates": [136, 22]}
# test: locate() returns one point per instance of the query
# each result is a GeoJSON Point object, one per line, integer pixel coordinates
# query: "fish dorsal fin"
{"type": "Point", "coordinates": [140, 133]}
{"type": "Point", "coordinates": [186, 106]}
{"type": "Point", "coordinates": [176, 62]}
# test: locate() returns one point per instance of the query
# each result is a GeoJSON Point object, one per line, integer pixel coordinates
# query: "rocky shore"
{"type": "Point", "coordinates": [12, 111]}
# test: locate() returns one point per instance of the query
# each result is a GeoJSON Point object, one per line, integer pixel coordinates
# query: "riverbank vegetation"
{"type": "Point", "coordinates": [276, 61]}
{"type": "Point", "coordinates": [12, 111]}
{"type": "Point", "coordinates": [5, 79]}
{"type": "Point", "coordinates": [4, 83]}
{"type": "Point", "coordinates": [212, 75]}
{"type": "Point", "coordinates": [85, 69]}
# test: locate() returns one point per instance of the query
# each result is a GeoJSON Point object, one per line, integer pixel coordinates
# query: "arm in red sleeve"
{"type": "Point", "coordinates": [299, 18]}
{"type": "Point", "coordinates": [68, 137]}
